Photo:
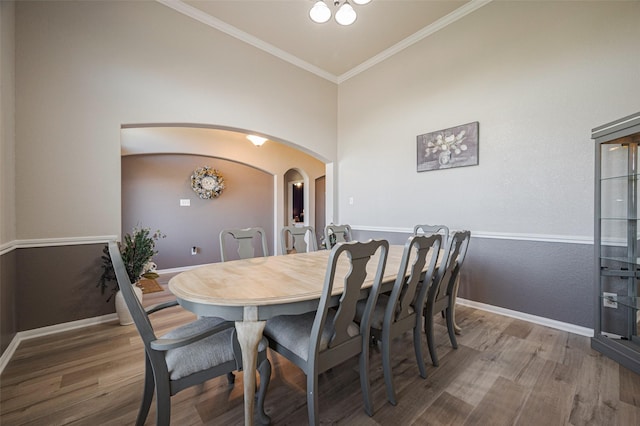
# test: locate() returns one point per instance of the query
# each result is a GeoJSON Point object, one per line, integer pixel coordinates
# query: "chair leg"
{"type": "Point", "coordinates": [147, 395]}
{"type": "Point", "coordinates": [417, 346]}
{"type": "Point", "coordinates": [451, 327]}
{"type": "Point", "coordinates": [312, 398]}
{"type": "Point", "coordinates": [265, 377]}
{"type": "Point", "coordinates": [428, 328]}
{"type": "Point", "coordinates": [364, 380]}
{"type": "Point", "coordinates": [163, 403]}
{"type": "Point", "coordinates": [456, 328]}
{"type": "Point", "coordinates": [386, 368]}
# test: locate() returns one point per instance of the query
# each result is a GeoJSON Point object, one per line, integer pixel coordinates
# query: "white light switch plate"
{"type": "Point", "coordinates": [185, 202]}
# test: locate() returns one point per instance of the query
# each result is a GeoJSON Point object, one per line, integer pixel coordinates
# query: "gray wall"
{"type": "Point", "coordinates": [58, 284]}
{"type": "Point", "coordinates": [8, 326]}
{"type": "Point", "coordinates": [152, 186]}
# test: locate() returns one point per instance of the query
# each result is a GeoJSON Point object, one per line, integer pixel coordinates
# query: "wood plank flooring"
{"type": "Point", "coordinates": [505, 372]}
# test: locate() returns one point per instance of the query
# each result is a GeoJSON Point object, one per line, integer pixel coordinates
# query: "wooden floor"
{"type": "Point", "coordinates": [504, 372]}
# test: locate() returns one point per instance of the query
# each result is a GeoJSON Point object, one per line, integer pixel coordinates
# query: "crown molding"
{"type": "Point", "coordinates": [205, 18]}
{"type": "Point", "coordinates": [441, 23]}
{"type": "Point", "coordinates": [219, 25]}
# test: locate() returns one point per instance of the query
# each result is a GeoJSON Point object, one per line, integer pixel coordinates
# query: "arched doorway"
{"type": "Point", "coordinates": [274, 158]}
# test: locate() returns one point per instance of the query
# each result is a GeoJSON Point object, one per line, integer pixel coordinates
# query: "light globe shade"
{"type": "Point", "coordinates": [320, 12]}
{"type": "Point", "coordinates": [256, 140]}
{"type": "Point", "coordinates": [346, 15]}
{"type": "Point", "coordinates": [361, 2]}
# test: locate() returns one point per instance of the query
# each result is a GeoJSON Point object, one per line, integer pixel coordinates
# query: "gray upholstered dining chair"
{"type": "Point", "coordinates": [245, 241]}
{"type": "Point", "coordinates": [334, 234]}
{"type": "Point", "coordinates": [297, 235]}
{"type": "Point", "coordinates": [441, 293]}
{"type": "Point", "coordinates": [401, 310]}
{"type": "Point", "coordinates": [444, 231]}
{"type": "Point", "coordinates": [186, 356]}
{"type": "Point", "coordinates": [319, 340]}
{"type": "Point", "coordinates": [433, 229]}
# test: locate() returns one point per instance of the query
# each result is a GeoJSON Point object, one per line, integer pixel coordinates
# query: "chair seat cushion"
{"type": "Point", "coordinates": [203, 354]}
{"type": "Point", "coordinates": [294, 332]}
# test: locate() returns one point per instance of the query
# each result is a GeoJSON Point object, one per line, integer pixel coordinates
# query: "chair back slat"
{"type": "Point", "coordinates": [297, 236]}
{"type": "Point", "coordinates": [245, 240]}
{"type": "Point", "coordinates": [448, 271]}
{"type": "Point", "coordinates": [358, 255]}
{"type": "Point", "coordinates": [405, 300]}
{"type": "Point", "coordinates": [433, 229]}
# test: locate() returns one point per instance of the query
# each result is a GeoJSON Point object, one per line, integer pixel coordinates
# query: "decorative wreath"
{"type": "Point", "coordinates": [207, 182]}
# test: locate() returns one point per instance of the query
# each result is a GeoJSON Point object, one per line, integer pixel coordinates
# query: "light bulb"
{"type": "Point", "coordinates": [256, 140]}
{"type": "Point", "coordinates": [320, 12]}
{"type": "Point", "coordinates": [346, 15]}
{"type": "Point", "coordinates": [361, 2]}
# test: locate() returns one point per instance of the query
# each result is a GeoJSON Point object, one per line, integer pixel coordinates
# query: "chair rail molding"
{"type": "Point", "coordinates": [7, 247]}
{"type": "Point", "coordinates": [547, 238]}
{"type": "Point", "coordinates": [55, 242]}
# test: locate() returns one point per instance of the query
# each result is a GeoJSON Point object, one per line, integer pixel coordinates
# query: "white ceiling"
{"type": "Point", "coordinates": [283, 28]}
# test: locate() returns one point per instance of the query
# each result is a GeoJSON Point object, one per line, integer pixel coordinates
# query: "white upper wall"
{"type": "Point", "coordinates": [7, 123]}
{"type": "Point", "coordinates": [83, 69]}
{"type": "Point", "coordinates": [538, 76]}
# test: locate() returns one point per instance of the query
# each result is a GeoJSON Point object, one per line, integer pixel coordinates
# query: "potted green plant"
{"type": "Point", "coordinates": [137, 250]}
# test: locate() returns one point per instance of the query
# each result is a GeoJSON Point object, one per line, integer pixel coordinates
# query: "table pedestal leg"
{"type": "Point", "coordinates": [249, 336]}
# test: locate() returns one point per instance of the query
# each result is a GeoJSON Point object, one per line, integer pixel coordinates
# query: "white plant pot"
{"type": "Point", "coordinates": [121, 306]}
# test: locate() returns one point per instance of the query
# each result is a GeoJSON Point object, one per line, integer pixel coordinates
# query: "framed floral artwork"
{"type": "Point", "coordinates": [445, 149]}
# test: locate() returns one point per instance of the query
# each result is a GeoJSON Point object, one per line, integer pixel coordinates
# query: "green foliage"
{"type": "Point", "coordinates": [137, 252]}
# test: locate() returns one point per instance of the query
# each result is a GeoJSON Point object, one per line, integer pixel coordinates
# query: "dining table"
{"type": "Point", "coordinates": [251, 291]}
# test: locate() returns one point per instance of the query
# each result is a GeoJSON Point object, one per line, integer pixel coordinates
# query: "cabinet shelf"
{"type": "Point", "coordinates": [618, 273]}
{"type": "Point", "coordinates": [626, 260]}
{"type": "Point", "coordinates": [623, 177]}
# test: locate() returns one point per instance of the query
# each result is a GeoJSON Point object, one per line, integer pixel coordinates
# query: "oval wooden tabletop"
{"type": "Point", "coordinates": [269, 280]}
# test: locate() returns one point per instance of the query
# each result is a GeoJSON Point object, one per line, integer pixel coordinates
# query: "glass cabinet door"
{"type": "Point", "coordinates": [619, 239]}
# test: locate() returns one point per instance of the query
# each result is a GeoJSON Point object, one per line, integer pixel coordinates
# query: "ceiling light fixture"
{"type": "Point", "coordinates": [257, 140]}
{"type": "Point", "coordinates": [345, 15]}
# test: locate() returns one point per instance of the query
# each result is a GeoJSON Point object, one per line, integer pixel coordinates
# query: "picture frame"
{"type": "Point", "coordinates": [448, 148]}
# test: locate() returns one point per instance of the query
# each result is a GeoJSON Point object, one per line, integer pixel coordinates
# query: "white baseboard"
{"type": "Point", "coordinates": [177, 270]}
{"type": "Point", "coordinates": [46, 331]}
{"type": "Point", "coordinates": [547, 322]}
{"type": "Point", "coordinates": [59, 328]}
{"type": "Point", "coordinates": [8, 353]}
